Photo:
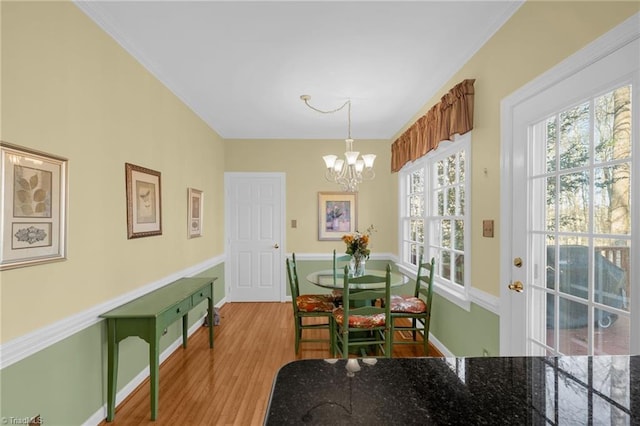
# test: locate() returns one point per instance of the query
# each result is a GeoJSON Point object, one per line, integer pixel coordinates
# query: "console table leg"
{"type": "Point", "coordinates": [185, 330]}
{"type": "Point", "coordinates": [210, 315]}
{"type": "Point", "coordinates": [154, 355]}
{"type": "Point", "coordinates": [112, 368]}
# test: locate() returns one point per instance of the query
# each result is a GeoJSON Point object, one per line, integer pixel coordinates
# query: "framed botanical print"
{"type": "Point", "coordinates": [144, 204]}
{"type": "Point", "coordinates": [33, 207]}
{"type": "Point", "coordinates": [336, 214]}
{"type": "Point", "coordinates": [194, 222]}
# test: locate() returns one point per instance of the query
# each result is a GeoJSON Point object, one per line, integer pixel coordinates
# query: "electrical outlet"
{"type": "Point", "coordinates": [294, 223]}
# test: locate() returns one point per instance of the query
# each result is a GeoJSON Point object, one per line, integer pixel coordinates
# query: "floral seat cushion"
{"type": "Point", "coordinates": [360, 321]}
{"type": "Point", "coordinates": [407, 304]}
{"type": "Point", "coordinates": [315, 303]}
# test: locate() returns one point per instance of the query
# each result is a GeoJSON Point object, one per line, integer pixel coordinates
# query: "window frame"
{"type": "Point", "coordinates": [456, 293]}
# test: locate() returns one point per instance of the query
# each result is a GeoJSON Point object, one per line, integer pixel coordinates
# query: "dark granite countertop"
{"type": "Point", "coordinates": [580, 390]}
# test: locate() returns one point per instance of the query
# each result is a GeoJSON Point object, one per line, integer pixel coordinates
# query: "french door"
{"type": "Point", "coordinates": [573, 259]}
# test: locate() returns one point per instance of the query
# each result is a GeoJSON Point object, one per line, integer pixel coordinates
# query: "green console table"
{"type": "Point", "coordinates": [147, 317]}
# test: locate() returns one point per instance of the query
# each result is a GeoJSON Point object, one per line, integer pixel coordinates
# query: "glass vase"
{"type": "Point", "coordinates": [357, 265]}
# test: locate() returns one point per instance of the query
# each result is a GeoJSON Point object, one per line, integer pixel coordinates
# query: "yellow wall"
{"type": "Point", "coordinates": [302, 162]}
{"type": "Point", "coordinates": [537, 37]}
{"type": "Point", "coordinates": [70, 90]}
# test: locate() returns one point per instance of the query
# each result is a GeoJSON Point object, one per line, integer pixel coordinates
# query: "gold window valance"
{"type": "Point", "coordinates": [453, 114]}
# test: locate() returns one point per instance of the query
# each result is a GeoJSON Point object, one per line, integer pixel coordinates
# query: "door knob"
{"type": "Point", "coordinates": [516, 286]}
{"type": "Point", "coordinates": [276, 246]}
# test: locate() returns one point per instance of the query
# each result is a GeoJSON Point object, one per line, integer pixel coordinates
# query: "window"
{"type": "Point", "coordinates": [434, 213]}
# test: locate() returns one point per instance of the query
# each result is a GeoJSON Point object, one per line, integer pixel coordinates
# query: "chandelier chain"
{"type": "Point", "coordinates": [347, 103]}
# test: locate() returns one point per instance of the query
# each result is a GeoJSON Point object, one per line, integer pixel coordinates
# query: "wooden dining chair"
{"type": "Point", "coordinates": [360, 322]}
{"type": "Point", "coordinates": [339, 260]}
{"type": "Point", "coordinates": [309, 306]}
{"type": "Point", "coordinates": [415, 308]}
{"type": "Point", "coordinates": [338, 265]}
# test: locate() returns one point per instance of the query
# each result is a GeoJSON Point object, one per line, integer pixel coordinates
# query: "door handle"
{"type": "Point", "coordinates": [276, 246]}
{"type": "Point", "coordinates": [516, 286]}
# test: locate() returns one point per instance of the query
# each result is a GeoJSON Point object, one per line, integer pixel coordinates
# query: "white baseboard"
{"type": "Point", "coordinates": [439, 346]}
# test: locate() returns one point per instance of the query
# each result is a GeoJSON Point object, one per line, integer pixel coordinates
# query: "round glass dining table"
{"type": "Point", "coordinates": [328, 279]}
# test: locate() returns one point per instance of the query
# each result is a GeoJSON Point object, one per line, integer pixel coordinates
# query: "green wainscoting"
{"type": "Point", "coordinates": [465, 333]}
{"type": "Point", "coordinates": [66, 383]}
{"type": "Point", "coordinates": [62, 383]}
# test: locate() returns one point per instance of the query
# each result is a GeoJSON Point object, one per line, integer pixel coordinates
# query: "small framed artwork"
{"type": "Point", "coordinates": [336, 214]}
{"type": "Point", "coordinates": [195, 205]}
{"type": "Point", "coordinates": [144, 204]}
{"type": "Point", "coordinates": [33, 207]}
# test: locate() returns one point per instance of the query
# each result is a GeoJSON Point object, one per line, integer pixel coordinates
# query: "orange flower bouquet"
{"type": "Point", "coordinates": [358, 247]}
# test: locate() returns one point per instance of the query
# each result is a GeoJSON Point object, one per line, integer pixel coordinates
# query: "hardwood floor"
{"type": "Point", "coordinates": [231, 384]}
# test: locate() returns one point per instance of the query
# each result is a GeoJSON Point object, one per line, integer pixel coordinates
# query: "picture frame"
{"type": "Point", "coordinates": [195, 205]}
{"type": "Point", "coordinates": [337, 214]}
{"type": "Point", "coordinates": [33, 206]}
{"type": "Point", "coordinates": [144, 201]}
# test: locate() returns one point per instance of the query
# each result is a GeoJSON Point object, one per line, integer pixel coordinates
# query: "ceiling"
{"type": "Point", "coordinates": [242, 66]}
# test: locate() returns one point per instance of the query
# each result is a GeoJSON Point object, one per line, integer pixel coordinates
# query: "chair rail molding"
{"type": "Point", "coordinates": [21, 347]}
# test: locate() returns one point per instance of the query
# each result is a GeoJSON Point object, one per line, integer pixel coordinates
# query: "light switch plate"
{"type": "Point", "coordinates": [487, 228]}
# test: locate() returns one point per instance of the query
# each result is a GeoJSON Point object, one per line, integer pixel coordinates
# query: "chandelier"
{"type": "Point", "coordinates": [353, 169]}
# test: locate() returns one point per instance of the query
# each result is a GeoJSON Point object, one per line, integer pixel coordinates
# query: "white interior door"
{"type": "Point", "coordinates": [255, 240]}
{"type": "Point", "coordinates": [572, 183]}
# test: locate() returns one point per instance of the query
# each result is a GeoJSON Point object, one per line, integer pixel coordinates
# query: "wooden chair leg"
{"type": "Point", "coordinates": [415, 333]}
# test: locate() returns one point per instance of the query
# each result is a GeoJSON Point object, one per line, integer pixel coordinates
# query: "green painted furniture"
{"type": "Point", "coordinates": [363, 323]}
{"type": "Point", "coordinates": [415, 307]}
{"type": "Point", "coordinates": [147, 317]}
{"type": "Point", "coordinates": [309, 306]}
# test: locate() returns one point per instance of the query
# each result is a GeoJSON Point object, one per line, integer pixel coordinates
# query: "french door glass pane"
{"type": "Point", "coordinates": [617, 272]}
{"type": "Point", "coordinates": [612, 132]}
{"type": "Point", "coordinates": [551, 204]}
{"type": "Point", "coordinates": [612, 199]}
{"type": "Point", "coordinates": [573, 202]}
{"type": "Point", "coordinates": [574, 136]}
